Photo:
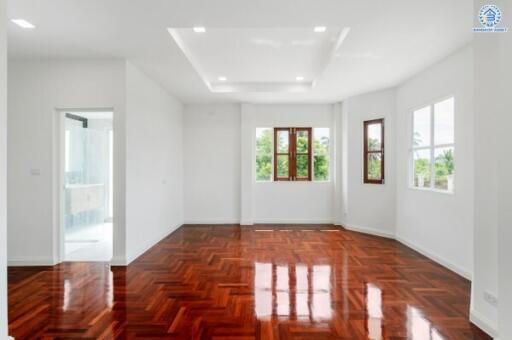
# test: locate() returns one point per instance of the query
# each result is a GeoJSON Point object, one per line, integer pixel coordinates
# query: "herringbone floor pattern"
{"type": "Point", "coordinates": [232, 282]}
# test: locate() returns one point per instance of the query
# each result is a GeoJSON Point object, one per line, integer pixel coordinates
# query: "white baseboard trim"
{"type": "Point", "coordinates": [30, 262]}
{"type": "Point", "coordinates": [483, 323]}
{"type": "Point", "coordinates": [212, 222]}
{"type": "Point", "coordinates": [118, 262]}
{"type": "Point", "coordinates": [366, 230]}
{"type": "Point", "coordinates": [141, 250]}
{"type": "Point", "coordinates": [436, 258]}
{"type": "Point", "coordinates": [263, 221]}
{"type": "Point", "coordinates": [282, 221]}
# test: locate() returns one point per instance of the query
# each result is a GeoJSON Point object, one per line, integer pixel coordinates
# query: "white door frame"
{"type": "Point", "coordinates": [60, 195]}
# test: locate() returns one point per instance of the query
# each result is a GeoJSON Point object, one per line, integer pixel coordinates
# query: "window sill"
{"type": "Point", "coordinates": [374, 185]}
{"type": "Point", "coordinates": [437, 191]}
{"type": "Point", "coordinates": [319, 182]}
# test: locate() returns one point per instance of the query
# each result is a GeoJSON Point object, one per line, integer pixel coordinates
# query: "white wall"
{"type": "Point", "coordinates": [3, 168]}
{"type": "Point", "coordinates": [486, 187]}
{"type": "Point", "coordinates": [212, 163]}
{"type": "Point", "coordinates": [220, 185]}
{"type": "Point", "coordinates": [368, 207]}
{"type": "Point", "coordinates": [154, 194]}
{"type": "Point", "coordinates": [439, 224]}
{"type": "Point", "coordinates": [148, 154]}
{"type": "Point", "coordinates": [291, 202]}
{"type": "Point", "coordinates": [505, 169]}
{"type": "Point", "coordinates": [493, 212]}
{"type": "Point", "coordinates": [36, 90]}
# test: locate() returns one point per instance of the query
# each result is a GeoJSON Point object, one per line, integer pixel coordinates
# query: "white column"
{"type": "Point", "coordinates": [3, 176]}
{"type": "Point", "coordinates": [337, 162]}
{"type": "Point", "coordinates": [492, 209]}
{"type": "Point", "coordinates": [247, 155]}
{"type": "Point", "coordinates": [504, 70]}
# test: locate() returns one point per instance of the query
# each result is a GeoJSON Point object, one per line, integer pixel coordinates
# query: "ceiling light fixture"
{"type": "Point", "coordinates": [320, 29]}
{"type": "Point", "coordinates": [23, 23]}
{"type": "Point", "coordinates": [299, 78]}
{"type": "Point", "coordinates": [222, 78]}
{"type": "Point", "coordinates": [199, 29]}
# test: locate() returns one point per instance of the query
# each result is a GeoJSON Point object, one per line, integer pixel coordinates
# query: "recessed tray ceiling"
{"type": "Point", "coordinates": [259, 59]}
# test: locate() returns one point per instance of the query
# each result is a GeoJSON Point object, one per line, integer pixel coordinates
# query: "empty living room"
{"type": "Point", "coordinates": [255, 169]}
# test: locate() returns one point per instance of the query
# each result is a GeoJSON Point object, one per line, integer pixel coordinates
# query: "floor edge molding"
{"type": "Point", "coordinates": [30, 263]}
{"type": "Point", "coordinates": [369, 231]}
{"type": "Point", "coordinates": [436, 258]}
{"type": "Point", "coordinates": [483, 323]}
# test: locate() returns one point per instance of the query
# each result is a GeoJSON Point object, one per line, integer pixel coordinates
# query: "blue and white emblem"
{"type": "Point", "coordinates": [490, 16]}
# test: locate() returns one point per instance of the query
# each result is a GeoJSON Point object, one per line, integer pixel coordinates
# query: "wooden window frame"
{"type": "Point", "coordinates": [292, 153]}
{"type": "Point", "coordinates": [367, 152]}
{"type": "Point", "coordinates": [276, 154]}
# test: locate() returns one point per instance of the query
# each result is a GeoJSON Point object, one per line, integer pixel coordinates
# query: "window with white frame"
{"type": "Point", "coordinates": [433, 146]}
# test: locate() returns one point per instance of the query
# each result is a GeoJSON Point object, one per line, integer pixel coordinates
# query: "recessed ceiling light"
{"type": "Point", "coordinates": [23, 23]}
{"type": "Point", "coordinates": [199, 29]}
{"type": "Point", "coordinates": [299, 78]}
{"type": "Point", "coordinates": [320, 29]}
{"type": "Point", "coordinates": [222, 78]}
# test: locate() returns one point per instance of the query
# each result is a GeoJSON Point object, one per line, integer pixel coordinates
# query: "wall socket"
{"type": "Point", "coordinates": [491, 298]}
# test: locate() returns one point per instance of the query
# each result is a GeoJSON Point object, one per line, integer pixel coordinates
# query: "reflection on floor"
{"type": "Point", "coordinates": [232, 282]}
{"type": "Point", "coordinates": [89, 243]}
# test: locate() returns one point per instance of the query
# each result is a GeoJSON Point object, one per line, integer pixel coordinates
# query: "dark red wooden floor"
{"type": "Point", "coordinates": [227, 282]}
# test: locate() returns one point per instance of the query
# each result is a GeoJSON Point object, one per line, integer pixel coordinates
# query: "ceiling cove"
{"type": "Point", "coordinates": [232, 60]}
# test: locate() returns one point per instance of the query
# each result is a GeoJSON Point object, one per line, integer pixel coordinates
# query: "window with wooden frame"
{"type": "Point", "coordinates": [292, 154]}
{"type": "Point", "coordinates": [373, 151]}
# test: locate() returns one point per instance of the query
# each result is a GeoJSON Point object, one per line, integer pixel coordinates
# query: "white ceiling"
{"type": "Point", "coordinates": [388, 42]}
{"type": "Point", "coordinates": [259, 59]}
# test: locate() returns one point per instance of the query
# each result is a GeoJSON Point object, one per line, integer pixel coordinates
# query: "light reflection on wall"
{"type": "Point", "coordinates": [419, 328]}
{"type": "Point", "coordinates": [310, 298]}
{"type": "Point", "coordinates": [374, 308]}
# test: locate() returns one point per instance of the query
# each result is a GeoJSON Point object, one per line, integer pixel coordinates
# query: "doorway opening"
{"type": "Point", "coordinates": [88, 177]}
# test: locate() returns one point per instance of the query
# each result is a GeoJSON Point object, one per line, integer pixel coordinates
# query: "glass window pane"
{"type": "Point", "coordinates": [444, 122]}
{"type": "Point", "coordinates": [375, 137]}
{"type": "Point", "coordinates": [444, 168]}
{"type": "Point", "coordinates": [421, 168]}
{"type": "Point", "coordinates": [283, 141]}
{"type": "Point", "coordinates": [302, 165]}
{"type": "Point", "coordinates": [263, 167]}
{"type": "Point", "coordinates": [321, 154]}
{"type": "Point", "coordinates": [375, 166]}
{"type": "Point", "coordinates": [263, 140]}
{"type": "Point", "coordinates": [421, 130]}
{"type": "Point", "coordinates": [282, 166]}
{"type": "Point", "coordinates": [302, 141]}
{"type": "Point", "coordinates": [264, 154]}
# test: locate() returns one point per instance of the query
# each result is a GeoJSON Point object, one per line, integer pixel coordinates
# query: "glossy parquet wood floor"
{"type": "Point", "coordinates": [232, 282]}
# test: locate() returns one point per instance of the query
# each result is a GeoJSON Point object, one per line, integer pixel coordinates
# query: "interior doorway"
{"type": "Point", "coordinates": [88, 177]}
